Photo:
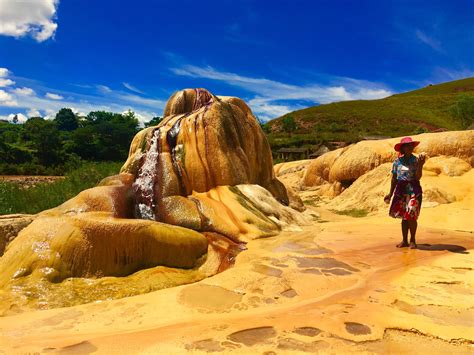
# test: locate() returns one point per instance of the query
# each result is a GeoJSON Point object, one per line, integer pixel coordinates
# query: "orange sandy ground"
{"type": "Point", "coordinates": [335, 287]}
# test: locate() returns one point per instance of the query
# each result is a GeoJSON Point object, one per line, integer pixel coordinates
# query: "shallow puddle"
{"type": "Point", "coordinates": [357, 328]}
{"type": "Point", "coordinates": [307, 331]}
{"type": "Point", "coordinates": [326, 263]}
{"type": "Point", "coordinates": [253, 336]}
{"type": "Point", "coordinates": [209, 297]}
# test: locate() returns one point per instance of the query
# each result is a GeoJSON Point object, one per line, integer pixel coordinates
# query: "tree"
{"type": "Point", "coordinates": [105, 135]}
{"type": "Point", "coordinates": [85, 142]}
{"type": "Point", "coordinates": [263, 125]}
{"type": "Point", "coordinates": [154, 121]}
{"type": "Point", "coordinates": [100, 116]}
{"type": "Point", "coordinates": [266, 128]}
{"type": "Point", "coordinates": [289, 124]}
{"type": "Point", "coordinates": [66, 120]}
{"type": "Point", "coordinates": [463, 109]}
{"type": "Point", "coordinates": [43, 137]}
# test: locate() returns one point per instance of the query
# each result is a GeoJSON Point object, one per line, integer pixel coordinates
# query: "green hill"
{"type": "Point", "coordinates": [425, 110]}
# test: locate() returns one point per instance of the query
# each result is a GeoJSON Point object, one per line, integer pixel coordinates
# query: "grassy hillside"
{"type": "Point", "coordinates": [424, 110]}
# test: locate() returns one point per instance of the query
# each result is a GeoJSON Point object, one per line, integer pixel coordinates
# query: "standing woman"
{"type": "Point", "coordinates": [406, 189]}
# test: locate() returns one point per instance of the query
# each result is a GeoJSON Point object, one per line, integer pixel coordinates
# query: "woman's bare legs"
{"type": "Point", "coordinates": [405, 228]}
{"type": "Point", "coordinates": [413, 225]}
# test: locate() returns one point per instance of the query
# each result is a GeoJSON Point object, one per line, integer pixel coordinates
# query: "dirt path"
{"type": "Point", "coordinates": [29, 180]}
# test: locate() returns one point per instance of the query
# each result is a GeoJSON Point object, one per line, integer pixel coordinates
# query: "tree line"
{"type": "Point", "coordinates": [52, 147]}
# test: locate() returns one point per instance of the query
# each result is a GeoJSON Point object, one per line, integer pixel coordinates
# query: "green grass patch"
{"type": "Point", "coordinates": [353, 212]}
{"type": "Point", "coordinates": [15, 199]}
{"type": "Point", "coordinates": [424, 110]}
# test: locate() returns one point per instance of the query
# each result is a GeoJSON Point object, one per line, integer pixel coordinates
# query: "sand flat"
{"type": "Point", "coordinates": [344, 278]}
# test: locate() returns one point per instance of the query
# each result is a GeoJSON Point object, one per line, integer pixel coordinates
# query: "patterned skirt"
{"type": "Point", "coordinates": [406, 202]}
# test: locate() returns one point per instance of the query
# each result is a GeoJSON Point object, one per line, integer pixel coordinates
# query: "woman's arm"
{"type": "Point", "coordinates": [421, 162]}
{"type": "Point", "coordinates": [393, 184]}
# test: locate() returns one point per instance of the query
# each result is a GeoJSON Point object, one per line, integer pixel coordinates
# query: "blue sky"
{"type": "Point", "coordinates": [277, 55]}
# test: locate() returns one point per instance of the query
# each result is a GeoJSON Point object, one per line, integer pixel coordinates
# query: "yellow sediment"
{"type": "Point", "coordinates": [343, 281]}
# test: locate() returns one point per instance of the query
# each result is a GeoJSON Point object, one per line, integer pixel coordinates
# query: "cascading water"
{"type": "Point", "coordinates": [144, 185]}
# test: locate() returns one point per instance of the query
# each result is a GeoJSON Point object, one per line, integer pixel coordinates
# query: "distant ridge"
{"type": "Point", "coordinates": [417, 111]}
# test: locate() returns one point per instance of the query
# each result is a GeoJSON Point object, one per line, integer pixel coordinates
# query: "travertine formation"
{"type": "Point", "coordinates": [333, 172]}
{"type": "Point", "coordinates": [187, 168]}
{"type": "Point", "coordinates": [193, 189]}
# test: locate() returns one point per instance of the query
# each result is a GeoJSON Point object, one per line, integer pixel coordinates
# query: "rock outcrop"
{"type": "Point", "coordinates": [358, 176]}
{"type": "Point", "coordinates": [183, 168]}
{"type": "Point", "coordinates": [10, 226]}
{"type": "Point", "coordinates": [338, 169]}
{"type": "Point", "coordinates": [193, 189]}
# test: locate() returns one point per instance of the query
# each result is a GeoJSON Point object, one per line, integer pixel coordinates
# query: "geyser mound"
{"type": "Point", "coordinates": [192, 191]}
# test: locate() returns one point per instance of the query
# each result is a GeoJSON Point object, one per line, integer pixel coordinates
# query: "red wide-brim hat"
{"type": "Point", "coordinates": [405, 140]}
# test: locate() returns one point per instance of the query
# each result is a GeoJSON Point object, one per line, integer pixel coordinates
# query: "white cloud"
{"type": "Point", "coordinates": [50, 103]}
{"type": "Point", "coordinates": [428, 40]}
{"type": "Point", "coordinates": [441, 74]}
{"type": "Point", "coordinates": [6, 82]}
{"type": "Point", "coordinates": [132, 88]}
{"type": "Point", "coordinates": [24, 91]}
{"type": "Point", "coordinates": [33, 113]}
{"type": "Point", "coordinates": [6, 99]}
{"type": "Point", "coordinates": [50, 114]}
{"type": "Point", "coordinates": [267, 110]}
{"type": "Point", "coordinates": [270, 93]}
{"type": "Point", "coordinates": [104, 89]}
{"type": "Point", "coordinates": [19, 18]}
{"type": "Point", "coordinates": [52, 96]}
{"type": "Point", "coordinates": [140, 100]}
{"type": "Point", "coordinates": [4, 72]}
{"type": "Point", "coordinates": [77, 112]}
{"type": "Point", "coordinates": [21, 117]}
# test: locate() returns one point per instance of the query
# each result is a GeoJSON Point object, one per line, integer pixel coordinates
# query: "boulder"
{"type": "Point", "coordinates": [368, 191]}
